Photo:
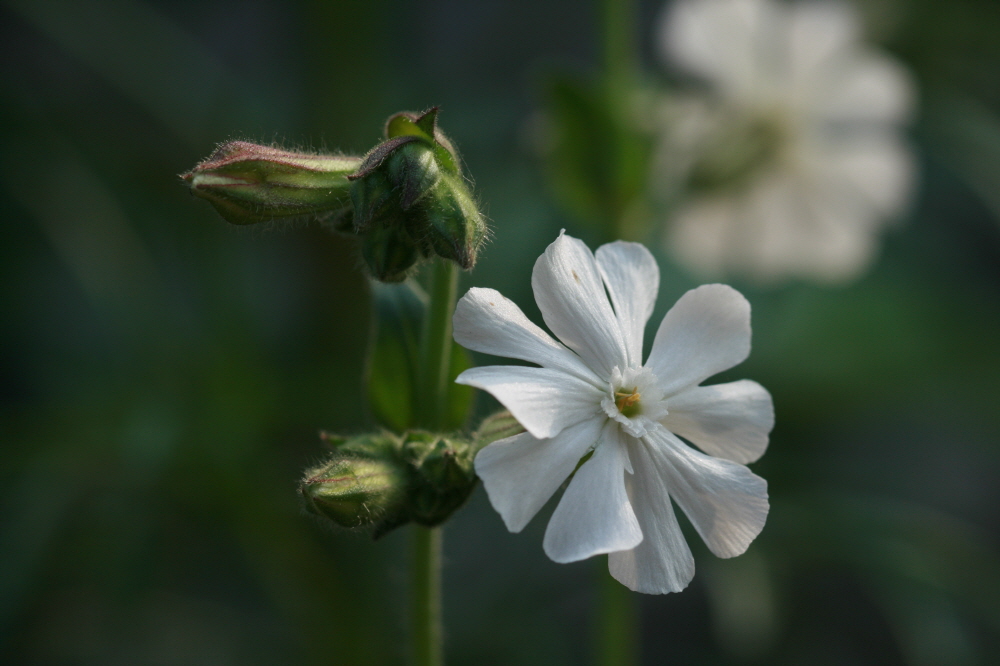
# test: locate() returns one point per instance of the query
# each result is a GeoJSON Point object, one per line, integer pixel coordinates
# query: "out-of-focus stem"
{"type": "Point", "coordinates": [617, 637]}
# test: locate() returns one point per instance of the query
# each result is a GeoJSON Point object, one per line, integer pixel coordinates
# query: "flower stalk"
{"type": "Point", "coordinates": [435, 362]}
{"type": "Point", "coordinates": [435, 345]}
{"type": "Point", "coordinates": [616, 612]}
{"type": "Point", "coordinates": [425, 600]}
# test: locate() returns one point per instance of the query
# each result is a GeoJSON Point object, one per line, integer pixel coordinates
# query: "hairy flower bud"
{"type": "Point", "coordinates": [353, 492]}
{"type": "Point", "coordinates": [454, 229]}
{"type": "Point", "coordinates": [249, 183]}
{"type": "Point", "coordinates": [384, 480]}
{"type": "Point", "coordinates": [444, 476]}
{"type": "Point", "coordinates": [389, 252]}
{"type": "Point", "coordinates": [409, 190]}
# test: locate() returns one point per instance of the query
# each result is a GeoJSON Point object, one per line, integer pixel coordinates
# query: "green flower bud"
{"type": "Point", "coordinates": [444, 476]}
{"type": "Point", "coordinates": [249, 183]}
{"type": "Point", "coordinates": [496, 427]}
{"type": "Point", "coordinates": [354, 491]}
{"type": "Point", "coordinates": [409, 190]}
{"type": "Point", "coordinates": [383, 480]}
{"type": "Point", "coordinates": [453, 225]}
{"type": "Point", "coordinates": [389, 252]}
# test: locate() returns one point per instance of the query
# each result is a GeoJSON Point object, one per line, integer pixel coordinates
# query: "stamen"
{"type": "Point", "coordinates": [627, 401]}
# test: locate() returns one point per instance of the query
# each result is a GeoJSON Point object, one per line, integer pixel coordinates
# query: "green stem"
{"type": "Point", "coordinates": [619, 67]}
{"type": "Point", "coordinates": [617, 48]}
{"type": "Point", "coordinates": [433, 385]}
{"type": "Point", "coordinates": [616, 635]}
{"type": "Point", "coordinates": [426, 596]}
{"type": "Point", "coordinates": [617, 615]}
{"type": "Point", "coordinates": [435, 345]}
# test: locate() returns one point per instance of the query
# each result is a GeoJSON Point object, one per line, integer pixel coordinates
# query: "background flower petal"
{"type": "Point", "coordinates": [594, 515]}
{"type": "Point", "coordinates": [488, 322]}
{"type": "Point", "coordinates": [633, 279]}
{"type": "Point", "coordinates": [725, 501]}
{"type": "Point", "coordinates": [663, 562]}
{"type": "Point", "coordinates": [707, 331]}
{"type": "Point", "coordinates": [520, 473]}
{"type": "Point", "coordinates": [570, 293]}
{"type": "Point", "coordinates": [865, 88]}
{"type": "Point", "coordinates": [544, 401]}
{"type": "Point", "coordinates": [722, 41]}
{"type": "Point", "coordinates": [730, 421]}
{"type": "Point", "coordinates": [875, 167]}
{"type": "Point", "coordinates": [817, 32]}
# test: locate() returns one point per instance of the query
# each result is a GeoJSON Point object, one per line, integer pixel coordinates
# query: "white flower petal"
{"type": "Point", "coordinates": [570, 294]}
{"type": "Point", "coordinates": [875, 167]}
{"type": "Point", "coordinates": [730, 421]}
{"type": "Point", "coordinates": [818, 32]}
{"type": "Point", "coordinates": [701, 234]}
{"type": "Point", "coordinates": [723, 41]}
{"type": "Point", "coordinates": [707, 331]}
{"type": "Point", "coordinates": [725, 501]}
{"type": "Point", "coordinates": [520, 473]}
{"type": "Point", "coordinates": [487, 322]}
{"type": "Point", "coordinates": [594, 515]}
{"type": "Point", "coordinates": [632, 277]}
{"type": "Point", "coordinates": [865, 88]}
{"type": "Point", "coordinates": [544, 401]}
{"type": "Point", "coordinates": [662, 562]}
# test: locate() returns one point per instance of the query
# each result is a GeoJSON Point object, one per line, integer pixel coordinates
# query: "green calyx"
{"type": "Point", "coordinates": [382, 481]}
{"type": "Point", "coordinates": [249, 183]}
{"type": "Point", "coordinates": [411, 201]}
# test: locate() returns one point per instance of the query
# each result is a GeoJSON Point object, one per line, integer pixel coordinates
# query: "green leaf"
{"type": "Point", "coordinates": [597, 159]}
{"type": "Point", "coordinates": [460, 396]}
{"type": "Point", "coordinates": [398, 311]}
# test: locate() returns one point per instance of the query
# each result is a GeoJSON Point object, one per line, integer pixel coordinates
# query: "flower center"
{"type": "Point", "coordinates": [627, 401]}
{"type": "Point", "coordinates": [634, 399]}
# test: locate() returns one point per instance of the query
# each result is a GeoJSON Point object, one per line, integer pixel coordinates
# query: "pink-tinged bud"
{"type": "Point", "coordinates": [249, 183]}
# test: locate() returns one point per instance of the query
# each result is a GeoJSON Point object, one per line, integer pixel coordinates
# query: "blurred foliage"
{"type": "Point", "coordinates": [163, 376]}
{"type": "Point", "coordinates": [392, 360]}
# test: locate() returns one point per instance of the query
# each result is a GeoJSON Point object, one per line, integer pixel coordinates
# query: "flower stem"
{"type": "Point", "coordinates": [425, 600]}
{"type": "Point", "coordinates": [616, 634]}
{"type": "Point", "coordinates": [432, 384]}
{"type": "Point", "coordinates": [617, 47]}
{"type": "Point", "coordinates": [436, 343]}
{"type": "Point", "coordinates": [619, 67]}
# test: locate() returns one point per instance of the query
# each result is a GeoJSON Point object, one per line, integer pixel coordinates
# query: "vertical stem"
{"type": "Point", "coordinates": [617, 47]}
{"type": "Point", "coordinates": [425, 609]}
{"type": "Point", "coordinates": [618, 82]}
{"type": "Point", "coordinates": [435, 346]}
{"type": "Point", "coordinates": [617, 635]}
{"type": "Point", "coordinates": [616, 616]}
{"type": "Point", "coordinates": [433, 385]}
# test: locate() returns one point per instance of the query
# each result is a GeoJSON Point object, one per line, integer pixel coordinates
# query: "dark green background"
{"type": "Point", "coordinates": [164, 374]}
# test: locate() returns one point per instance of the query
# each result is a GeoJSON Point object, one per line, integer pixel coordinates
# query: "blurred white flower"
{"type": "Point", "coordinates": [594, 399]}
{"type": "Point", "coordinates": [793, 161]}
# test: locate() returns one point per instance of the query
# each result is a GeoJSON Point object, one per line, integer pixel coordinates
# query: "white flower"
{"type": "Point", "coordinates": [797, 151]}
{"type": "Point", "coordinates": [593, 395]}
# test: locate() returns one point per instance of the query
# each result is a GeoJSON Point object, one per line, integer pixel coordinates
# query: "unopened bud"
{"type": "Point", "coordinates": [496, 427]}
{"type": "Point", "coordinates": [382, 480]}
{"type": "Point", "coordinates": [411, 184]}
{"type": "Point", "coordinates": [354, 491]}
{"type": "Point", "coordinates": [249, 183]}
{"type": "Point", "coordinates": [444, 476]}
{"type": "Point", "coordinates": [454, 227]}
{"type": "Point", "coordinates": [389, 252]}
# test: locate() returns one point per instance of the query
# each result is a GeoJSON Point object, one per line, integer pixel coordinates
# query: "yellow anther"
{"type": "Point", "coordinates": [625, 401]}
